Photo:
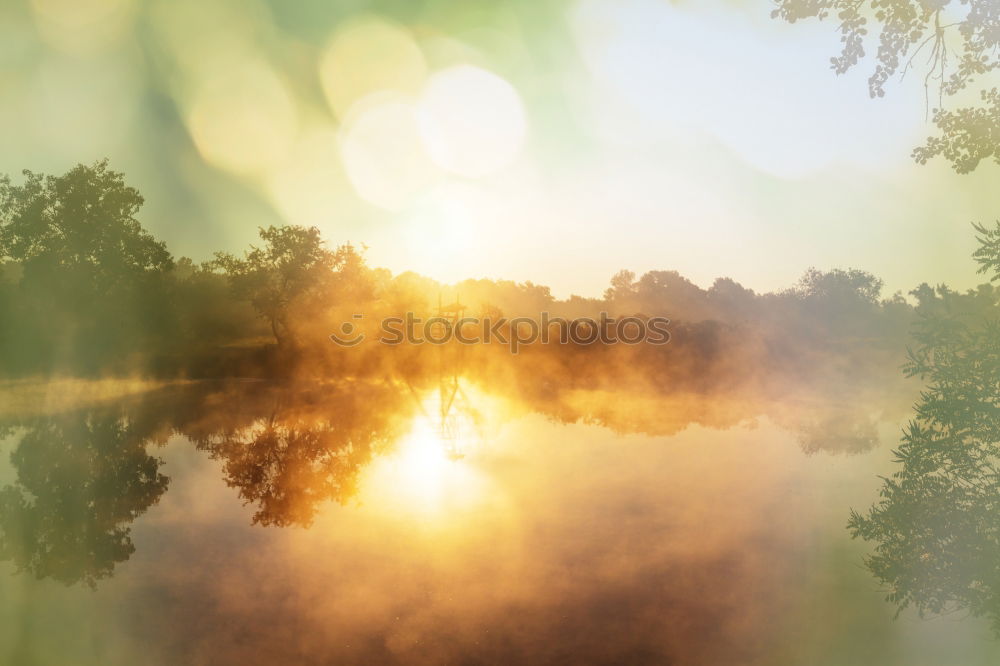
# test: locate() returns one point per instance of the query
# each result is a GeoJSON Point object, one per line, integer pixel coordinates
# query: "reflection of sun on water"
{"type": "Point", "coordinates": [423, 477]}
{"type": "Point", "coordinates": [422, 458]}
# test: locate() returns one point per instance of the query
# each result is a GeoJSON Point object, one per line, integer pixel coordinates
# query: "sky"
{"type": "Point", "coordinates": [555, 141]}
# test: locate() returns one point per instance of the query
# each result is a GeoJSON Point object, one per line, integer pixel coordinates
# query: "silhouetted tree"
{"type": "Point", "coordinates": [622, 286]}
{"type": "Point", "coordinates": [292, 270]}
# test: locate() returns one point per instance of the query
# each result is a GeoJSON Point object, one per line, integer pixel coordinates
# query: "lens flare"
{"type": "Point", "coordinates": [369, 55]}
{"type": "Point", "coordinates": [472, 121]}
{"type": "Point", "coordinates": [382, 154]}
{"type": "Point", "coordinates": [244, 120]}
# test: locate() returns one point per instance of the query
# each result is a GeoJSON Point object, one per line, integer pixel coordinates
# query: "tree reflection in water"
{"type": "Point", "coordinates": [81, 481]}
{"type": "Point", "coordinates": [937, 527]}
{"type": "Point", "coordinates": [309, 449]}
{"type": "Point", "coordinates": [83, 476]}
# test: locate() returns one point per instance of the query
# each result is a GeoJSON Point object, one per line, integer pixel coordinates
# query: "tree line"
{"type": "Point", "coordinates": [85, 290]}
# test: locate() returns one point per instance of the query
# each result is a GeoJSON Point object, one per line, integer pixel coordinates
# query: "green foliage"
{"type": "Point", "coordinates": [86, 290]}
{"type": "Point", "coordinates": [90, 281]}
{"type": "Point", "coordinates": [936, 528]}
{"type": "Point", "coordinates": [911, 28]}
{"type": "Point", "coordinates": [969, 135]}
{"type": "Point", "coordinates": [81, 481]}
{"type": "Point", "coordinates": [837, 284]}
{"type": "Point", "coordinates": [291, 271]}
{"type": "Point", "coordinates": [988, 254]}
{"type": "Point", "coordinates": [81, 223]}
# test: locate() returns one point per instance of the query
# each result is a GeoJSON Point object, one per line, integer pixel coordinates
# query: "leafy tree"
{"type": "Point", "coordinates": [81, 224]}
{"type": "Point", "coordinates": [927, 28]}
{"type": "Point", "coordinates": [936, 528]}
{"type": "Point", "coordinates": [841, 285]}
{"type": "Point", "coordinates": [292, 271]}
{"type": "Point", "coordinates": [90, 287]}
{"type": "Point", "coordinates": [969, 135]}
{"type": "Point", "coordinates": [622, 286]}
{"type": "Point", "coordinates": [988, 253]}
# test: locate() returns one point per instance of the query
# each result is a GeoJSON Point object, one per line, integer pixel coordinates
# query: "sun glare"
{"type": "Point", "coordinates": [423, 457]}
{"type": "Point", "coordinates": [424, 477]}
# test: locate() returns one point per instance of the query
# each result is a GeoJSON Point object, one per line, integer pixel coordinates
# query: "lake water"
{"type": "Point", "coordinates": [386, 522]}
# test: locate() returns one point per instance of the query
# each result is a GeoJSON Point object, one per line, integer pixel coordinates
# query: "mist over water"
{"type": "Point", "coordinates": [358, 522]}
{"type": "Point", "coordinates": [712, 410]}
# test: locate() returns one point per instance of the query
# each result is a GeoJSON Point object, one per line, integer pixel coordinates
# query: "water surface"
{"type": "Point", "coordinates": [420, 523]}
